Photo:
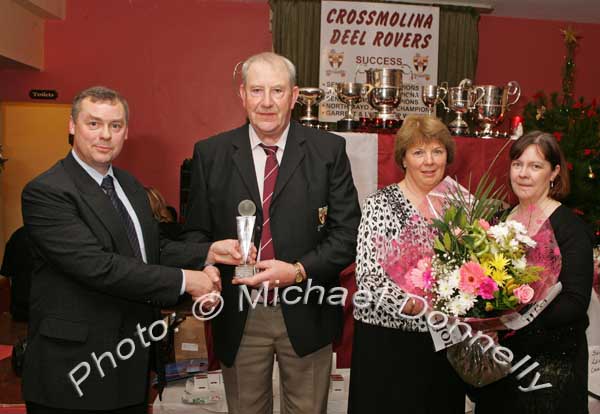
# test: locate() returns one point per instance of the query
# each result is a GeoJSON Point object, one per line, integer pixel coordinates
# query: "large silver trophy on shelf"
{"type": "Point", "coordinates": [350, 93]}
{"type": "Point", "coordinates": [491, 108]}
{"type": "Point", "coordinates": [309, 97]}
{"type": "Point", "coordinates": [386, 92]}
{"type": "Point", "coordinates": [245, 233]}
{"type": "Point", "coordinates": [431, 95]}
{"type": "Point", "coordinates": [462, 99]}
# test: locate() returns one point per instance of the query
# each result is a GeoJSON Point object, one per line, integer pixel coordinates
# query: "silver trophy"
{"type": "Point", "coordinates": [462, 99]}
{"type": "Point", "coordinates": [245, 233]}
{"type": "Point", "coordinates": [386, 91]}
{"type": "Point", "coordinates": [350, 93]}
{"type": "Point", "coordinates": [491, 108]}
{"type": "Point", "coordinates": [309, 97]}
{"type": "Point", "coordinates": [431, 95]}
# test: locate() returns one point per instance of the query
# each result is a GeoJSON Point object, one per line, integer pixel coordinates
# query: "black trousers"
{"type": "Point", "coordinates": [33, 408]}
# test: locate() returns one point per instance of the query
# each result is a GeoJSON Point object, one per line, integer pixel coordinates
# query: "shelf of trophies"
{"type": "Point", "coordinates": [472, 110]}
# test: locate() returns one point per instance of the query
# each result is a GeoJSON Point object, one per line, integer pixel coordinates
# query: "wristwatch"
{"type": "Point", "coordinates": [299, 276]}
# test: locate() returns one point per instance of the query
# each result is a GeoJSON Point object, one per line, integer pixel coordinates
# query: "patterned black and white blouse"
{"type": "Point", "coordinates": [385, 213]}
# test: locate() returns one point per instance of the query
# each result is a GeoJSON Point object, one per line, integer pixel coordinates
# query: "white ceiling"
{"type": "Point", "coordinates": [582, 11]}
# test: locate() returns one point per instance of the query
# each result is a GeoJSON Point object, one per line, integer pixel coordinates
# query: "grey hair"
{"type": "Point", "coordinates": [272, 59]}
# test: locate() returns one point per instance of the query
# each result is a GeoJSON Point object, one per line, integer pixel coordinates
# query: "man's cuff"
{"type": "Point", "coordinates": [182, 291]}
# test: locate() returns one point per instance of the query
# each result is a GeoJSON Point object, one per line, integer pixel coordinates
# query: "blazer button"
{"type": "Point", "coordinates": [258, 228]}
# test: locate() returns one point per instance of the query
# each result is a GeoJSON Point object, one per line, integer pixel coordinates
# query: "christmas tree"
{"type": "Point", "coordinates": [575, 124]}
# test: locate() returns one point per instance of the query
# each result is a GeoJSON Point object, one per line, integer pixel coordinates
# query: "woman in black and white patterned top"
{"type": "Point", "coordinates": [394, 365]}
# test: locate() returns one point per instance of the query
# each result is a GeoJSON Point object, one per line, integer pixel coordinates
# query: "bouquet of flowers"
{"type": "Point", "coordinates": [479, 272]}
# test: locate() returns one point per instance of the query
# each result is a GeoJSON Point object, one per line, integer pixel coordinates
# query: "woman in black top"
{"type": "Point", "coordinates": [556, 338]}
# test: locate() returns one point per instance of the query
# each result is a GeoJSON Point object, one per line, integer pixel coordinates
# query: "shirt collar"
{"type": "Point", "coordinates": [255, 140]}
{"type": "Point", "coordinates": [92, 172]}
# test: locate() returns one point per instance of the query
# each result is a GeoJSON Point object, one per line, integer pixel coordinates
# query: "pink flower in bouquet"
{"type": "Point", "coordinates": [420, 276]}
{"type": "Point", "coordinates": [484, 224]}
{"type": "Point", "coordinates": [524, 293]}
{"type": "Point", "coordinates": [472, 276]}
{"type": "Point", "coordinates": [487, 288]}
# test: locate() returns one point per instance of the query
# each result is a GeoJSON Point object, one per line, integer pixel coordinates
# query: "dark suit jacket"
{"type": "Point", "coordinates": [88, 292]}
{"type": "Point", "coordinates": [314, 173]}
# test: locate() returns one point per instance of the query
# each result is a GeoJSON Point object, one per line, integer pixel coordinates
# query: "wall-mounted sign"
{"type": "Point", "coordinates": [43, 94]}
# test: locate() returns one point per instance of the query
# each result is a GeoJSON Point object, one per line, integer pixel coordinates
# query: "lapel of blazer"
{"type": "Point", "coordinates": [139, 201]}
{"type": "Point", "coordinates": [99, 203]}
{"type": "Point", "coordinates": [244, 162]}
{"type": "Point", "coordinates": [292, 156]}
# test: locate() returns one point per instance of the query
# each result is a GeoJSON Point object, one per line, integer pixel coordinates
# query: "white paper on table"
{"type": "Point", "coordinates": [593, 338]}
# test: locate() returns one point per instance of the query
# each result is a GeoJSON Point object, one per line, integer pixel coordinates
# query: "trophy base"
{"type": "Point", "coordinates": [309, 122]}
{"type": "Point", "coordinates": [460, 131]}
{"type": "Point", "coordinates": [488, 134]}
{"type": "Point", "coordinates": [242, 271]}
{"type": "Point", "coordinates": [386, 116]}
{"type": "Point", "coordinates": [346, 125]}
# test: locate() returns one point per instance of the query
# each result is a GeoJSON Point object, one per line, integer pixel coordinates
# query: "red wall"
{"type": "Point", "coordinates": [172, 59]}
{"type": "Point", "coordinates": [532, 52]}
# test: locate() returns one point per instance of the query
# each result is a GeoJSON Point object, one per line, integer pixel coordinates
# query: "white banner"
{"type": "Point", "coordinates": [358, 36]}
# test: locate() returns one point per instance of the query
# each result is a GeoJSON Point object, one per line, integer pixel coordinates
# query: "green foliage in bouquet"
{"type": "Point", "coordinates": [576, 125]}
{"type": "Point", "coordinates": [463, 211]}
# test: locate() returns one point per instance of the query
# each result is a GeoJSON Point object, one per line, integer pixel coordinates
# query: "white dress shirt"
{"type": "Point", "coordinates": [96, 176]}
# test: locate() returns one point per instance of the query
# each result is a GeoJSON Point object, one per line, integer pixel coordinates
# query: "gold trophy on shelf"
{"type": "Point", "coordinates": [491, 108]}
{"type": "Point", "coordinates": [350, 93]}
{"type": "Point", "coordinates": [386, 92]}
{"type": "Point", "coordinates": [431, 95]}
{"type": "Point", "coordinates": [462, 99]}
{"type": "Point", "coordinates": [309, 97]}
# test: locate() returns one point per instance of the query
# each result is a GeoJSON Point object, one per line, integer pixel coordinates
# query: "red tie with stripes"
{"type": "Point", "coordinates": [266, 241]}
{"type": "Point", "coordinates": [271, 170]}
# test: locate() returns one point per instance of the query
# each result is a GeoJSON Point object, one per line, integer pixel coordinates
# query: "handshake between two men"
{"type": "Point", "coordinates": [274, 273]}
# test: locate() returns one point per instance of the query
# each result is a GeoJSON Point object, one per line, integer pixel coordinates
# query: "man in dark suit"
{"type": "Point", "coordinates": [307, 218]}
{"type": "Point", "coordinates": [96, 287]}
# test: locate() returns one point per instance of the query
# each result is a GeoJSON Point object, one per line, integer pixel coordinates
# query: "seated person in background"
{"type": "Point", "coordinates": [17, 266]}
{"type": "Point", "coordinates": [162, 213]}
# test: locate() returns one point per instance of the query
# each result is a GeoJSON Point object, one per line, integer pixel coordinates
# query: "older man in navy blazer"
{"type": "Point", "coordinates": [307, 217]}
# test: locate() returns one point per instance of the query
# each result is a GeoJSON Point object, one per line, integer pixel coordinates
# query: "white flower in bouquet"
{"type": "Point", "coordinates": [454, 278]}
{"type": "Point", "coordinates": [445, 288]}
{"type": "Point", "coordinates": [519, 263]}
{"type": "Point", "coordinates": [459, 305]}
{"type": "Point", "coordinates": [526, 240]}
{"type": "Point", "coordinates": [499, 232]}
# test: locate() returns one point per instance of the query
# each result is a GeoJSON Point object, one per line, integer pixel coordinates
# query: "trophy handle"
{"type": "Point", "coordinates": [514, 89]}
{"type": "Point", "coordinates": [465, 83]}
{"type": "Point", "coordinates": [479, 96]}
{"type": "Point", "coordinates": [365, 93]}
{"type": "Point", "coordinates": [442, 93]}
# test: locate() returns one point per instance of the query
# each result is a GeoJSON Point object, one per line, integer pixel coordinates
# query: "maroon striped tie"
{"type": "Point", "coordinates": [271, 170]}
